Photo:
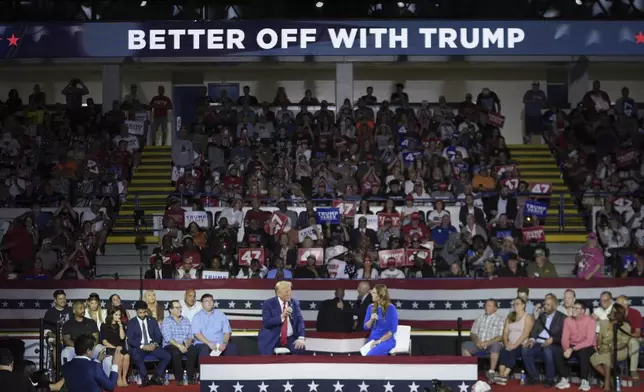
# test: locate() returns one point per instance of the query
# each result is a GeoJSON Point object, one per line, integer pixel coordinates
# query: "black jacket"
{"type": "Point", "coordinates": [556, 326]}
{"type": "Point", "coordinates": [490, 204]}
{"type": "Point", "coordinates": [479, 216]}
{"type": "Point", "coordinates": [333, 319]}
{"type": "Point", "coordinates": [359, 311]}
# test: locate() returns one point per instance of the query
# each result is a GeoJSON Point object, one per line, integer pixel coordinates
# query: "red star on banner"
{"type": "Point", "coordinates": [13, 40]}
{"type": "Point", "coordinates": [640, 38]}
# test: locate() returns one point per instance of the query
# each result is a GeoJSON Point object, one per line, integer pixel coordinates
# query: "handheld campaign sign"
{"type": "Point", "coordinates": [199, 217]}
{"type": "Point", "coordinates": [346, 208]}
{"type": "Point", "coordinates": [328, 215]}
{"type": "Point", "coordinates": [535, 233]}
{"type": "Point", "coordinates": [534, 208]}
{"type": "Point", "coordinates": [496, 120]}
{"type": "Point", "coordinates": [136, 128]}
{"type": "Point", "coordinates": [277, 223]}
{"type": "Point", "coordinates": [412, 254]}
{"type": "Point", "coordinates": [311, 232]}
{"type": "Point", "coordinates": [214, 275]}
{"type": "Point", "coordinates": [304, 253]}
{"type": "Point", "coordinates": [246, 255]}
{"type": "Point", "coordinates": [540, 188]}
{"type": "Point", "coordinates": [397, 254]}
{"type": "Point", "coordinates": [394, 216]}
{"type": "Point", "coordinates": [372, 221]}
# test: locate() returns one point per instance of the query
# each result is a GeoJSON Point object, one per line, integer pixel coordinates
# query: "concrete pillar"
{"type": "Point", "coordinates": [343, 82]}
{"type": "Point", "coordinates": [111, 78]}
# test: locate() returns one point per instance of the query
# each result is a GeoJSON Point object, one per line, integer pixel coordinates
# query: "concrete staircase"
{"type": "Point", "coordinates": [123, 260]}
{"type": "Point", "coordinates": [562, 255]}
{"type": "Point", "coordinates": [153, 179]}
{"type": "Point", "coordinates": [537, 165]}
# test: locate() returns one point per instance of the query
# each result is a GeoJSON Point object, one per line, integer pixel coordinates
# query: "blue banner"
{"type": "Point", "coordinates": [321, 38]}
{"type": "Point", "coordinates": [328, 215]}
{"type": "Point", "coordinates": [534, 208]}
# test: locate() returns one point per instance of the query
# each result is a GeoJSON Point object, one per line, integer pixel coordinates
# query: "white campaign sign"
{"type": "Point", "coordinates": [199, 217]}
{"type": "Point", "coordinates": [310, 231]}
{"type": "Point", "coordinates": [157, 223]}
{"type": "Point", "coordinates": [141, 116]}
{"type": "Point", "coordinates": [135, 127]}
{"type": "Point", "coordinates": [214, 275]}
{"type": "Point", "coordinates": [372, 221]}
{"type": "Point", "coordinates": [177, 173]}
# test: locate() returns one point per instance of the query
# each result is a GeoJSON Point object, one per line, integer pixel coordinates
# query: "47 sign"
{"type": "Point", "coordinates": [246, 255]}
{"type": "Point", "coordinates": [540, 188]}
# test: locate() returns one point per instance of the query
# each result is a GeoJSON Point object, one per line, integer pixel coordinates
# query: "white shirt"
{"type": "Point", "coordinates": [190, 311]}
{"type": "Point", "coordinates": [98, 322]}
{"type": "Point", "coordinates": [360, 274]}
{"type": "Point", "coordinates": [181, 273]}
{"type": "Point", "coordinates": [158, 273]}
{"type": "Point", "coordinates": [234, 218]}
{"type": "Point", "coordinates": [602, 315]}
{"type": "Point", "coordinates": [289, 332]}
{"type": "Point", "coordinates": [395, 274]}
{"type": "Point", "coordinates": [144, 331]}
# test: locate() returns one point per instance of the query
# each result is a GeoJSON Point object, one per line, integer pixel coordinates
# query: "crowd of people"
{"type": "Point", "coordinates": [559, 334]}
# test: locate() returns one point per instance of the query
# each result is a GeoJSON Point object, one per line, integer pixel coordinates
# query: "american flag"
{"type": "Point", "coordinates": [428, 304]}
{"type": "Point", "coordinates": [345, 374]}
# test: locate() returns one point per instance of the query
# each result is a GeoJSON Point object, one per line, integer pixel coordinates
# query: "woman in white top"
{"type": "Point", "coordinates": [94, 311]}
{"type": "Point", "coordinates": [234, 214]}
{"type": "Point", "coordinates": [367, 271]}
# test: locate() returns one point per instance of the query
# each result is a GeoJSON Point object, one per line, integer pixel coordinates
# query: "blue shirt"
{"type": "Point", "coordinates": [212, 326]}
{"type": "Point", "coordinates": [179, 331]}
{"type": "Point", "coordinates": [440, 235]}
{"type": "Point", "coordinates": [389, 323]}
{"type": "Point", "coordinates": [272, 274]}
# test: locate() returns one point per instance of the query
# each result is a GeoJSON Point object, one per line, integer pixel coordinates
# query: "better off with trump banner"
{"type": "Point", "coordinates": [422, 303]}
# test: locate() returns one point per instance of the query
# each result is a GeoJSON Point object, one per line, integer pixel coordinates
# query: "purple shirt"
{"type": "Point", "coordinates": [591, 257]}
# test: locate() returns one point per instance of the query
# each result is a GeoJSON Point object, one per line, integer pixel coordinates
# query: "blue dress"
{"type": "Point", "coordinates": [380, 328]}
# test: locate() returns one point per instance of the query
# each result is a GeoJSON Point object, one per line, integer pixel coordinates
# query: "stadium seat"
{"type": "Point", "coordinates": [403, 341]}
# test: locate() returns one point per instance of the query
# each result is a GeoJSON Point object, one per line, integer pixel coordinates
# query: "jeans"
{"type": "Point", "coordinates": [547, 354]}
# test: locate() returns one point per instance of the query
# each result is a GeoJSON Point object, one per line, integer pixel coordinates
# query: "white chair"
{"type": "Point", "coordinates": [281, 351]}
{"type": "Point", "coordinates": [403, 341]}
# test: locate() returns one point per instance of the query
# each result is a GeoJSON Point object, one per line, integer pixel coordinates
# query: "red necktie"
{"type": "Point", "coordinates": [284, 331]}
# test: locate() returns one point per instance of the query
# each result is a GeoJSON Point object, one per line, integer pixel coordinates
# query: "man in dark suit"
{"type": "Point", "coordinates": [335, 315]}
{"type": "Point", "coordinates": [503, 203]}
{"type": "Point", "coordinates": [83, 374]}
{"type": "Point", "coordinates": [282, 322]}
{"type": "Point", "coordinates": [159, 271]}
{"type": "Point", "coordinates": [545, 342]}
{"type": "Point", "coordinates": [144, 339]}
{"type": "Point", "coordinates": [363, 231]}
{"type": "Point", "coordinates": [10, 380]}
{"type": "Point", "coordinates": [360, 308]}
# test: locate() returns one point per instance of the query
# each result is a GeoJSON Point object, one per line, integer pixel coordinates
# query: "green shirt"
{"type": "Point", "coordinates": [547, 271]}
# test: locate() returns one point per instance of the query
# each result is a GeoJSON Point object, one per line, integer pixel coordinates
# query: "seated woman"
{"type": "Point", "coordinates": [602, 359]}
{"type": "Point", "coordinates": [515, 332]}
{"type": "Point", "coordinates": [113, 335]}
{"type": "Point", "coordinates": [382, 319]}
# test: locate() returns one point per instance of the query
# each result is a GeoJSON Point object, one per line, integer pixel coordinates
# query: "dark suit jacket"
{"type": "Point", "coordinates": [355, 237]}
{"type": "Point", "coordinates": [479, 216]}
{"type": "Point", "coordinates": [135, 335]}
{"type": "Point", "coordinates": [556, 326]}
{"type": "Point", "coordinates": [166, 273]}
{"type": "Point", "coordinates": [269, 336]}
{"type": "Point", "coordinates": [332, 319]}
{"type": "Point", "coordinates": [16, 382]}
{"type": "Point", "coordinates": [491, 203]}
{"type": "Point", "coordinates": [360, 309]}
{"type": "Point", "coordinates": [85, 375]}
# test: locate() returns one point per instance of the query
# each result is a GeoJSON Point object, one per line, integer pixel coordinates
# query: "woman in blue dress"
{"type": "Point", "coordinates": [382, 320]}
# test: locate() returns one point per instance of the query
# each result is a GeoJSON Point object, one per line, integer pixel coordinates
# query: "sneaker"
{"type": "Point", "coordinates": [563, 384]}
{"type": "Point", "coordinates": [585, 386]}
{"type": "Point", "coordinates": [500, 380]}
{"type": "Point", "coordinates": [491, 374]}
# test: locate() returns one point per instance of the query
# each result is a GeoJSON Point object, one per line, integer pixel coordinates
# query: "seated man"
{"type": "Point", "coordinates": [634, 318]}
{"type": "Point", "coordinates": [486, 335]}
{"type": "Point", "coordinates": [545, 342]}
{"type": "Point", "coordinates": [211, 329]}
{"type": "Point", "coordinates": [75, 327]}
{"type": "Point", "coordinates": [177, 339]}
{"type": "Point", "coordinates": [144, 338]}
{"type": "Point", "coordinates": [577, 340]}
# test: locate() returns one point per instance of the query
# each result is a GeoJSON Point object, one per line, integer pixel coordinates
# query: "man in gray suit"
{"type": "Point", "coordinates": [545, 343]}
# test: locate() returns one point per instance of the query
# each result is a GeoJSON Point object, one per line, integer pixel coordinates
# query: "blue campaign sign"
{"type": "Point", "coordinates": [408, 158]}
{"type": "Point", "coordinates": [321, 38]}
{"type": "Point", "coordinates": [328, 215]}
{"type": "Point", "coordinates": [534, 208]}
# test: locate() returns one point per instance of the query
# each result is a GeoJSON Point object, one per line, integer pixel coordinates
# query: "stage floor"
{"type": "Point", "coordinates": [512, 386]}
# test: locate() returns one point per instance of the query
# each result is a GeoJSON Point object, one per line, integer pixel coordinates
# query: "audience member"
{"type": "Point", "coordinates": [577, 340]}
{"type": "Point", "coordinates": [486, 336]}
{"type": "Point", "coordinates": [177, 340]}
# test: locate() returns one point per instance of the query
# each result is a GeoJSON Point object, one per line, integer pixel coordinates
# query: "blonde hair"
{"type": "Point", "coordinates": [383, 299]}
{"type": "Point", "coordinates": [147, 293]}
{"type": "Point", "coordinates": [283, 284]}
{"type": "Point", "coordinates": [96, 315]}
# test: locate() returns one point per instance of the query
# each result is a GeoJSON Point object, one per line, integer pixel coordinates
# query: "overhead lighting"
{"type": "Point", "coordinates": [401, 4]}
{"type": "Point", "coordinates": [579, 2]}
{"type": "Point", "coordinates": [319, 4]}
{"type": "Point", "coordinates": [144, 3]}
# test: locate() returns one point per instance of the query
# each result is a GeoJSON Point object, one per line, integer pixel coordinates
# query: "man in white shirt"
{"type": "Point", "coordinates": [605, 307]}
{"type": "Point", "coordinates": [392, 272]}
{"type": "Point", "coordinates": [189, 304]}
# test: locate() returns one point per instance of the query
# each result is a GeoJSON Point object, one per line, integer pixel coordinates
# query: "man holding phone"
{"type": "Point", "coordinates": [144, 339]}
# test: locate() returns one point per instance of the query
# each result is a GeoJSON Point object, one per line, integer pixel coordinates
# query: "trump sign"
{"type": "Point", "coordinates": [328, 215]}
{"type": "Point", "coordinates": [534, 208]}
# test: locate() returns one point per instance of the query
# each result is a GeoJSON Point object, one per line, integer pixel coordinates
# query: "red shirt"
{"type": "Point", "coordinates": [196, 257]}
{"type": "Point", "coordinates": [176, 213]}
{"type": "Point", "coordinates": [23, 248]}
{"type": "Point", "coordinates": [169, 257]}
{"type": "Point", "coordinates": [261, 216]}
{"type": "Point", "coordinates": [634, 318]}
{"type": "Point", "coordinates": [161, 104]}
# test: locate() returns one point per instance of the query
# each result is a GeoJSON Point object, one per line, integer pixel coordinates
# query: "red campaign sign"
{"type": "Point", "coordinates": [626, 158]}
{"type": "Point", "coordinates": [395, 218]}
{"type": "Point", "coordinates": [346, 208]}
{"type": "Point", "coordinates": [535, 233]}
{"type": "Point", "coordinates": [245, 255]}
{"type": "Point", "coordinates": [512, 183]}
{"type": "Point", "coordinates": [424, 254]}
{"type": "Point", "coordinates": [396, 254]}
{"type": "Point", "coordinates": [277, 223]}
{"type": "Point", "coordinates": [540, 188]}
{"type": "Point", "coordinates": [304, 253]}
{"type": "Point", "coordinates": [496, 120]}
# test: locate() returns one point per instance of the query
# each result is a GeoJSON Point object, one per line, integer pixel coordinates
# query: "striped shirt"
{"type": "Point", "coordinates": [177, 330]}
{"type": "Point", "coordinates": [488, 327]}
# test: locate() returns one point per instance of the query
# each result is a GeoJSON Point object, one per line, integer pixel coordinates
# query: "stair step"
{"type": "Point", "coordinates": [528, 170]}
{"type": "Point", "coordinates": [144, 180]}
{"type": "Point", "coordinates": [565, 229]}
{"type": "Point", "coordinates": [158, 160]}
{"type": "Point", "coordinates": [540, 153]}
{"type": "Point", "coordinates": [152, 174]}
{"type": "Point", "coordinates": [527, 147]}
{"type": "Point", "coordinates": [530, 159]}
{"type": "Point", "coordinates": [149, 166]}
{"type": "Point", "coordinates": [161, 188]}
{"type": "Point", "coordinates": [554, 181]}
{"type": "Point", "coordinates": [154, 196]}
{"type": "Point", "coordinates": [538, 166]}
{"type": "Point", "coordinates": [131, 239]}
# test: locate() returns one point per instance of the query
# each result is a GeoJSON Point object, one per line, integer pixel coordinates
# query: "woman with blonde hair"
{"type": "Point", "coordinates": [155, 309]}
{"type": "Point", "coordinates": [94, 311]}
{"type": "Point", "coordinates": [515, 333]}
{"type": "Point", "coordinates": [382, 319]}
